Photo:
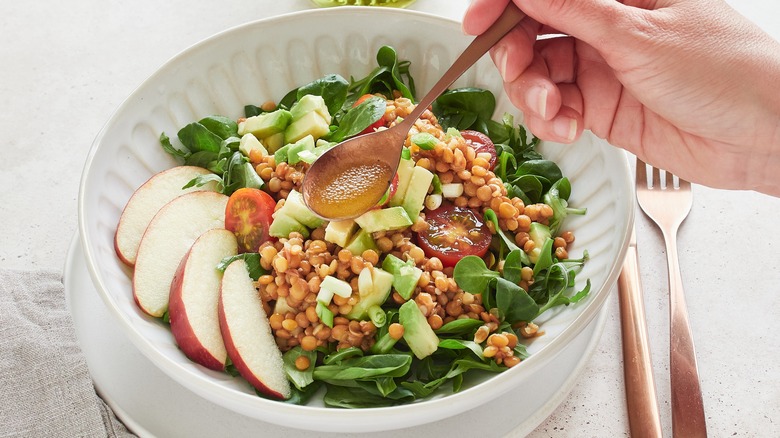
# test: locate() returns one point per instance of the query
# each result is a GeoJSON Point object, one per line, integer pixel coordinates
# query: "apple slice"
{"type": "Point", "coordinates": [146, 201]}
{"type": "Point", "coordinates": [194, 298]}
{"type": "Point", "coordinates": [247, 333]}
{"type": "Point", "coordinates": [167, 239]}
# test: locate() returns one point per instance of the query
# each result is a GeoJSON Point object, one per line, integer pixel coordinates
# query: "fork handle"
{"type": "Point", "coordinates": [643, 416]}
{"type": "Point", "coordinates": [687, 405]}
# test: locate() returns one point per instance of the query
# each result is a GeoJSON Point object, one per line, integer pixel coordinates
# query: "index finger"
{"type": "Point", "coordinates": [481, 14]}
{"type": "Point", "coordinates": [515, 51]}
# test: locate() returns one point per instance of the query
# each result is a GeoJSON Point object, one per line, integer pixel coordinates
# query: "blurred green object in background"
{"type": "Point", "coordinates": [386, 3]}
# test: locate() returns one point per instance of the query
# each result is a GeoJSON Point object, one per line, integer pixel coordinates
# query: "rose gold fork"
{"type": "Point", "coordinates": [668, 203]}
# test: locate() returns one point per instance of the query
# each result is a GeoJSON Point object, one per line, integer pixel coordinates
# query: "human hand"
{"type": "Point", "coordinates": [687, 85]}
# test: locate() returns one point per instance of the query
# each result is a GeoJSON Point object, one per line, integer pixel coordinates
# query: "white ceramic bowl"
{"type": "Point", "coordinates": [263, 60]}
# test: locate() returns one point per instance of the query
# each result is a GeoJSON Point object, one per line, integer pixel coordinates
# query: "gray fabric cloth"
{"type": "Point", "coordinates": [45, 387]}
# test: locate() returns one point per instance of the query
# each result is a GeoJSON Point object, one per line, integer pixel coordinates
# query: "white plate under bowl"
{"type": "Point", "coordinates": [263, 60]}
{"type": "Point", "coordinates": [151, 404]}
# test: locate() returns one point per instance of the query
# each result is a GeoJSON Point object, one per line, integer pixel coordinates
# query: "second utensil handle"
{"type": "Point", "coordinates": [687, 405]}
{"type": "Point", "coordinates": [643, 415]}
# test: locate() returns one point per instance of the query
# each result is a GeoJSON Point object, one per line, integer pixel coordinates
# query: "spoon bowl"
{"type": "Point", "coordinates": [351, 178]}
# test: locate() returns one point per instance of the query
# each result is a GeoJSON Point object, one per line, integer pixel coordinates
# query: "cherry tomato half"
{"type": "Point", "coordinates": [481, 143]}
{"type": "Point", "coordinates": [249, 215]}
{"type": "Point", "coordinates": [453, 233]}
{"type": "Point", "coordinates": [379, 123]}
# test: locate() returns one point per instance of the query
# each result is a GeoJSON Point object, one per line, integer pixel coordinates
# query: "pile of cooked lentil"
{"type": "Point", "coordinates": [297, 266]}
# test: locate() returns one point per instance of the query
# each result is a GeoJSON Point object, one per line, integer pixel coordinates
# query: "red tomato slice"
{"type": "Point", "coordinates": [248, 215]}
{"type": "Point", "coordinates": [481, 143]}
{"type": "Point", "coordinates": [453, 233]}
{"type": "Point", "coordinates": [379, 123]}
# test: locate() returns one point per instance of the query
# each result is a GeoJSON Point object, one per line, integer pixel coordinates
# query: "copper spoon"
{"type": "Point", "coordinates": [365, 165]}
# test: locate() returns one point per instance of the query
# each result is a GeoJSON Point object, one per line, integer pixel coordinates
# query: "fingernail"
{"type": "Point", "coordinates": [499, 57]}
{"type": "Point", "coordinates": [565, 127]}
{"type": "Point", "coordinates": [537, 100]}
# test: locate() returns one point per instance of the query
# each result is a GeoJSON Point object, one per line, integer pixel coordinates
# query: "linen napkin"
{"type": "Point", "coordinates": [45, 387]}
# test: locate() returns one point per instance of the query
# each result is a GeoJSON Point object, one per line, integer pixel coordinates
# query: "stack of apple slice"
{"type": "Point", "coordinates": [146, 201]}
{"type": "Point", "coordinates": [166, 241]}
{"type": "Point", "coordinates": [174, 239]}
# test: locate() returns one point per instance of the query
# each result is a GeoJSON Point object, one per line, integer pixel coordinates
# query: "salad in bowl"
{"type": "Point", "coordinates": [444, 277]}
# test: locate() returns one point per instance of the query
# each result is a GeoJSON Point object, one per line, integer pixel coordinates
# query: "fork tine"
{"type": "Point", "coordinates": [675, 182]}
{"type": "Point", "coordinates": [641, 173]}
{"type": "Point", "coordinates": [669, 180]}
{"type": "Point", "coordinates": [655, 181]}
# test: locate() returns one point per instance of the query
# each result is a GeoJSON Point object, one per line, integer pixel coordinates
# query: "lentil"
{"type": "Point", "coordinates": [302, 363]}
{"type": "Point", "coordinates": [289, 325]}
{"type": "Point", "coordinates": [511, 361]}
{"type": "Point", "coordinates": [498, 340]}
{"type": "Point", "coordinates": [435, 321]}
{"type": "Point", "coordinates": [308, 343]}
{"type": "Point", "coordinates": [481, 334]}
{"type": "Point", "coordinates": [490, 351]}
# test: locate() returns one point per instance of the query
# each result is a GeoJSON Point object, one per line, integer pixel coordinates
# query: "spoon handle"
{"type": "Point", "coordinates": [510, 18]}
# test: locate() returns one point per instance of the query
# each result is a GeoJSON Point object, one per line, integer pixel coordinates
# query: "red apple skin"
{"type": "Point", "coordinates": [120, 254]}
{"type": "Point", "coordinates": [222, 243]}
{"type": "Point", "coordinates": [167, 239]}
{"type": "Point", "coordinates": [244, 370]}
{"type": "Point", "coordinates": [233, 350]}
{"type": "Point", "coordinates": [158, 190]}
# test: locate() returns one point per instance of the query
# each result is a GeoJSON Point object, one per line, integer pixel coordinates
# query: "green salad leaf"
{"type": "Point", "coordinates": [557, 198]}
{"type": "Point", "coordinates": [391, 74]}
{"type": "Point", "coordinates": [212, 143]}
{"type": "Point", "coordinates": [465, 108]}
{"type": "Point", "coordinates": [221, 126]}
{"type": "Point", "coordinates": [365, 367]}
{"type": "Point", "coordinates": [196, 137]}
{"type": "Point", "coordinates": [364, 396]}
{"type": "Point", "coordinates": [459, 327]}
{"type": "Point", "coordinates": [252, 260]}
{"type": "Point", "coordinates": [358, 119]}
{"type": "Point", "coordinates": [299, 378]}
{"type": "Point", "coordinates": [514, 304]}
{"type": "Point", "coordinates": [472, 275]}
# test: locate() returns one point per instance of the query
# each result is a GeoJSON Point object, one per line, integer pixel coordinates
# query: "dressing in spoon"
{"type": "Point", "coordinates": [351, 178]}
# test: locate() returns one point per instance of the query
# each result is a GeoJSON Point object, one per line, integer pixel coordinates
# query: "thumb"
{"type": "Point", "coordinates": [592, 21]}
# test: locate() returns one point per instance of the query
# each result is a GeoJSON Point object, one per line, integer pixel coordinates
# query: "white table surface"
{"type": "Point", "coordinates": [67, 65]}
